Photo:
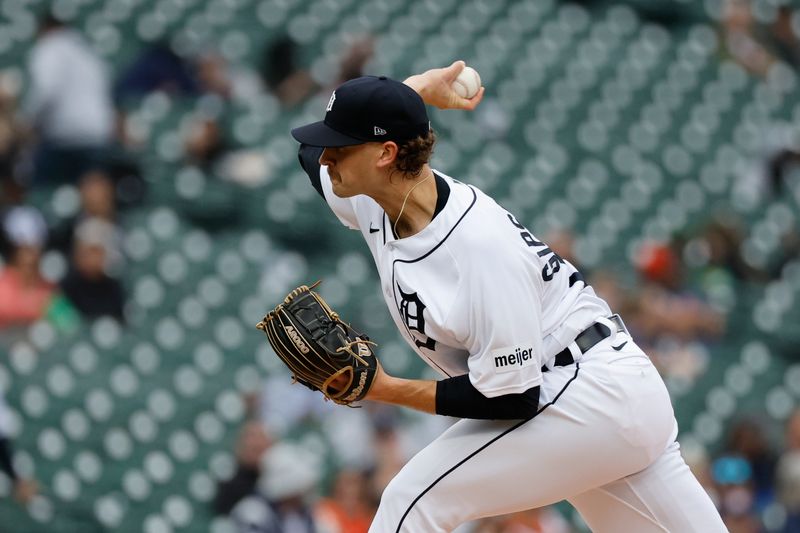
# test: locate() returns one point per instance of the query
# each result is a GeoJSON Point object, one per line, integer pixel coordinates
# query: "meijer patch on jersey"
{"type": "Point", "coordinates": [512, 358]}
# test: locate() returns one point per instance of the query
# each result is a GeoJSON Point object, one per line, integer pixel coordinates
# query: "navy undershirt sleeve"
{"type": "Point", "coordinates": [457, 397]}
{"type": "Point", "coordinates": [309, 160]}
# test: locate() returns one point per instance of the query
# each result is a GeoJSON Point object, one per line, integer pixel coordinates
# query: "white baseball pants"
{"type": "Point", "coordinates": [604, 440]}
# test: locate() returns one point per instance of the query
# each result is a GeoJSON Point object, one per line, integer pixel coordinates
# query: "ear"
{"type": "Point", "coordinates": [387, 155]}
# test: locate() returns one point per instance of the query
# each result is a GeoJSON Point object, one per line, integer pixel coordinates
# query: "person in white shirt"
{"type": "Point", "coordinates": [68, 103]}
{"type": "Point", "coordinates": [557, 400]}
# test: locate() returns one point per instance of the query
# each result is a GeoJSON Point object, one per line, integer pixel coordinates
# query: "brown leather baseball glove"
{"type": "Point", "coordinates": [319, 348]}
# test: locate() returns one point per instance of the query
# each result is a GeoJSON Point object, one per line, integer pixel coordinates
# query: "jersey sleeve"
{"type": "Point", "coordinates": [343, 208]}
{"type": "Point", "coordinates": [500, 303]}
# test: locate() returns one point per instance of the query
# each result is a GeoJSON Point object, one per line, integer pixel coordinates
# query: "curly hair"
{"type": "Point", "coordinates": [414, 154]}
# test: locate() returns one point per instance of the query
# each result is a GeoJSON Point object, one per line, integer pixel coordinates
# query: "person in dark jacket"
{"type": "Point", "coordinates": [92, 291]}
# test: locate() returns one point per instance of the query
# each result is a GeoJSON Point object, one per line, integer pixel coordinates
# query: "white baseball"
{"type": "Point", "coordinates": [468, 83]}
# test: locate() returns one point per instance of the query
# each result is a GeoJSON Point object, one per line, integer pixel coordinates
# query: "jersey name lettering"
{"type": "Point", "coordinates": [553, 263]}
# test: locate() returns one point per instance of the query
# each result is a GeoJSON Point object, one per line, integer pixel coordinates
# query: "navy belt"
{"type": "Point", "coordinates": [586, 340]}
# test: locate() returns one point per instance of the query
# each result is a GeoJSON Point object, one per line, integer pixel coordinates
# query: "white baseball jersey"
{"type": "Point", "coordinates": [474, 292]}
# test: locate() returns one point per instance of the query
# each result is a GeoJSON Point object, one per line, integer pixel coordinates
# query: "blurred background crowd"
{"type": "Point", "coordinates": [152, 208]}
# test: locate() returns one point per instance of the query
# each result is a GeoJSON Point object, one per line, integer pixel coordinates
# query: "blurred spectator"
{"type": "Point", "coordinates": [671, 322]}
{"type": "Point", "coordinates": [722, 237]}
{"type": "Point", "coordinates": [96, 201]}
{"type": "Point", "coordinates": [253, 443]}
{"type": "Point", "coordinates": [10, 138]}
{"type": "Point", "coordinates": [213, 74]}
{"type": "Point", "coordinates": [390, 455]}
{"type": "Point", "coordinates": [88, 286]}
{"type": "Point", "coordinates": [97, 196]}
{"type": "Point", "coordinates": [280, 503]}
{"type": "Point", "coordinates": [292, 84]}
{"type": "Point", "coordinates": [747, 439]}
{"type": "Point", "coordinates": [283, 405]}
{"type": "Point", "coordinates": [205, 73]}
{"type": "Point", "coordinates": [205, 143]}
{"type": "Point", "coordinates": [157, 68]}
{"type": "Point", "coordinates": [785, 38]}
{"type": "Point", "coordinates": [11, 196]}
{"type": "Point", "coordinates": [733, 477]}
{"type": "Point", "coordinates": [660, 265]}
{"type": "Point", "coordinates": [282, 75]}
{"type": "Point", "coordinates": [716, 264]}
{"type": "Point", "coordinates": [349, 508]}
{"type": "Point", "coordinates": [68, 105]}
{"type": "Point", "coordinates": [355, 59]}
{"type": "Point", "coordinates": [780, 165]}
{"type": "Point", "coordinates": [24, 489]}
{"type": "Point", "coordinates": [667, 307]}
{"type": "Point", "coordinates": [24, 294]}
{"type": "Point", "coordinates": [788, 474]}
{"type": "Point", "coordinates": [742, 40]}
{"type": "Point", "coordinates": [607, 285]}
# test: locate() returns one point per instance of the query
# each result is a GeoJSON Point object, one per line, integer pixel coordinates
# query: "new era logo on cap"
{"type": "Point", "coordinates": [379, 131]}
{"type": "Point", "coordinates": [330, 102]}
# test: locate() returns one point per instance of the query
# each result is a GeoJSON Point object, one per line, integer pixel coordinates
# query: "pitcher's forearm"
{"type": "Point", "coordinates": [414, 393]}
{"type": "Point", "coordinates": [418, 83]}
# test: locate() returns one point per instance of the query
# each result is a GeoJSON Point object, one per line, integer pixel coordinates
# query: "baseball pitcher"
{"type": "Point", "coordinates": [556, 399]}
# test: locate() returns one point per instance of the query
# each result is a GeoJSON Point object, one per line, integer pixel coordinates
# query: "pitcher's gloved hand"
{"type": "Point", "coordinates": [322, 352]}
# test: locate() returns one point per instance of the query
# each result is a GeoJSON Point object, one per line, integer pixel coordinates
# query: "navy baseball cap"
{"type": "Point", "coordinates": [368, 109]}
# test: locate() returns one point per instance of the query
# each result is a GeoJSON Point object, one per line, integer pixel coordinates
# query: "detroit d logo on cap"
{"type": "Point", "coordinates": [330, 102]}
